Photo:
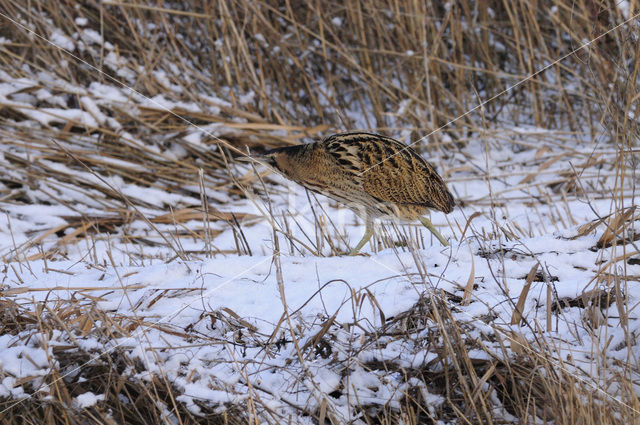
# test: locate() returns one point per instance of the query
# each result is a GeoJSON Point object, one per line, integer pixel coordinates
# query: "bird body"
{"type": "Point", "coordinates": [374, 175]}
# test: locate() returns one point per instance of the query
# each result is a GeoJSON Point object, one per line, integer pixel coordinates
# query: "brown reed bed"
{"type": "Point", "coordinates": [214, 79]}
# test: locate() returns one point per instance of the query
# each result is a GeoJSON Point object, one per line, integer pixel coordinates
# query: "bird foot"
{"type": "Point", "coordinates": [354, 252]}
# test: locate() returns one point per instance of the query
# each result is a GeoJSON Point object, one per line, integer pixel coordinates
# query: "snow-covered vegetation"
{"type": "Point", "coordinates": [148, 277]}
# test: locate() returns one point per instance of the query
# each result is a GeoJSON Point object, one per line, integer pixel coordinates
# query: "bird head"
{"type": "Point", "coordinates": [267, 159]}
{"type": "Point", "coordinates": [278, 160]}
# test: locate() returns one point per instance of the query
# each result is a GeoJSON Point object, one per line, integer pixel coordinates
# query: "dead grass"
{"type": "Point", "coordinates": [262, 75]}
{"type": "Point", "coordinates": [127, 397]}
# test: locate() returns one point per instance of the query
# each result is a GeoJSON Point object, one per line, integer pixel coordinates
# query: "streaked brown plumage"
{"type": "Point", "coordinates": [376, 176]}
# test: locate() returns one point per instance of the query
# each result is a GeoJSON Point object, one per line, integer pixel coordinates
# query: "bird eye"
{"type": "Point", "coordinates": [274, 164]}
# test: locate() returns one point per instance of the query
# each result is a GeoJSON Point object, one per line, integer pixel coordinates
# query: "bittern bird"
{"type": "Point", "coordinates": [375, 176]}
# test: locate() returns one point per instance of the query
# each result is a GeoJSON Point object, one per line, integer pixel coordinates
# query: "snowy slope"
{"type": "Point", "coordinates": [106, 249]}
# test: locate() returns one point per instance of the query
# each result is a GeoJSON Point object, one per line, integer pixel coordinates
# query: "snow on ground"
{"type": "Point", "coordinates": [212, 325]}
{"type": "Point", "coordinates": [215, 323]}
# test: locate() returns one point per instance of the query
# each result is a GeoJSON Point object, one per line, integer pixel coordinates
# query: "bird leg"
{"type": "Point", "coordinates": [367, 235]}
{"type": "Point", "coordinates": [427, 223]}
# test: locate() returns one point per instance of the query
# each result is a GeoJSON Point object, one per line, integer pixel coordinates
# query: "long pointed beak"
{"type": "Point", "coordinates": [260, 159]}
{"type": "Point", "coordinates": [252, 158]}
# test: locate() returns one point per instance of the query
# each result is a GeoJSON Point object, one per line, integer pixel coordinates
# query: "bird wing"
{"type": "Point", "coordinates": [393, 172]}
{"type": "Point", "coordinates": [389, 171]}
